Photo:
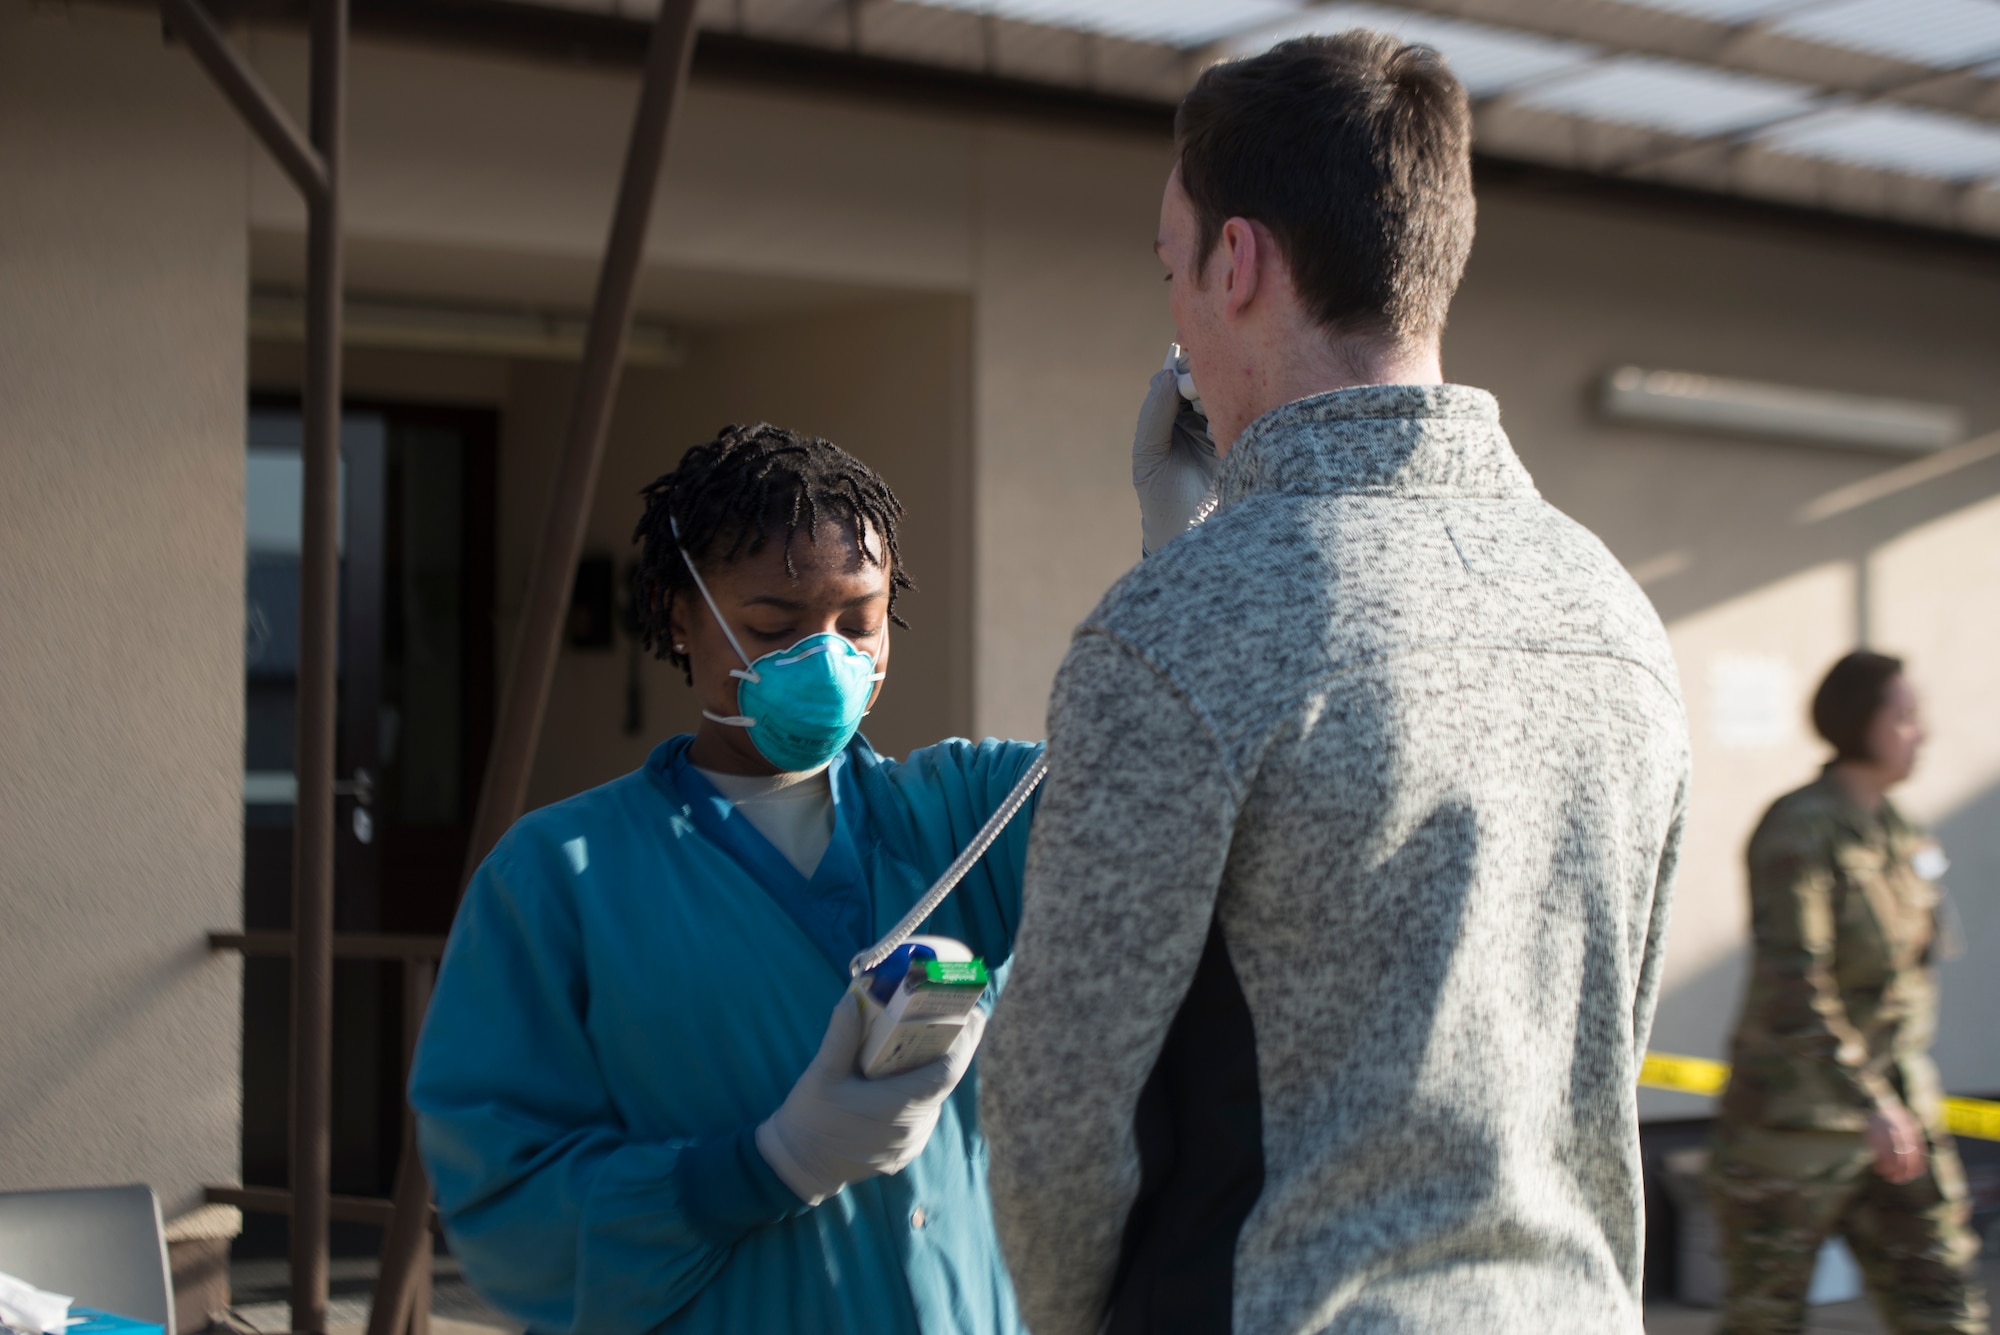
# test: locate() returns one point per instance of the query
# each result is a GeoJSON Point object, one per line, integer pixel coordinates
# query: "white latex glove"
{"type": "Point", "coordinates": [1173, 460]}
{"type": "Point", "coordinates": [837, 1126]}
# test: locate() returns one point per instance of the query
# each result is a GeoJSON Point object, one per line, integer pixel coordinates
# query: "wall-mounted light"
{"type": "Point", "coordinates": [1783, 412]}
{"type": "Point", "coordinates": [416, 327]}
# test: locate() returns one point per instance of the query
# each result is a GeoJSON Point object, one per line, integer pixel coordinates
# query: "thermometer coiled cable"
{"type": "Point", "coordinates": [1009, 807]}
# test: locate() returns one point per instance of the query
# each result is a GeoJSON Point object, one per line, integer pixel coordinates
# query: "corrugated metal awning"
{"type": "Point", "coordinates": [1880, 108]}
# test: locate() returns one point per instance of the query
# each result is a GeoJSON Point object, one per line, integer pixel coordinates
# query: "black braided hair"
{"type": "Point", "coordinates": [736, 493]}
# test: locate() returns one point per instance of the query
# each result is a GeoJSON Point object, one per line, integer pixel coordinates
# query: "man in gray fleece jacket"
{"type": "Point", "coordinates": [1347, 898]}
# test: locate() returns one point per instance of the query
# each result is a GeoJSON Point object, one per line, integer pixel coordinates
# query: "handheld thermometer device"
{"type": "Point", "coordinates": [916, 992]}
{"type": "Point", "coordinates": [916, 1003]}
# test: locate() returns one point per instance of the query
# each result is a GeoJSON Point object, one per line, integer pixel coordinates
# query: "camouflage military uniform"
{"type": "Point", "coordinates": [1837, 1020]}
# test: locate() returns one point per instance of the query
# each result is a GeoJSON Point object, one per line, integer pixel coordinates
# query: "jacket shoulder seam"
{"type": "Point", "coordinates": [1201, 713]}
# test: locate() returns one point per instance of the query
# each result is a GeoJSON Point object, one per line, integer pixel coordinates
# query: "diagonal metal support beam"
{"type": "Point", "coordinates": [518, 732]}
{"type": "Point", "coordinates": [263, 113]}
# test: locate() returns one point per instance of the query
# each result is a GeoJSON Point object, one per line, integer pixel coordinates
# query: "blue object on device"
{"type": "Point", "coordinates": [887, 976]}
{"type": "Point", "coordinates": [110, 1322]}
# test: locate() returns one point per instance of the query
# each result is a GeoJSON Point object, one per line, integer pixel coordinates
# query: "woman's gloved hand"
{"type": "Point", "coordinates": [837, 1126]}
{"type": "Point", "coordinates": [1173, 459]}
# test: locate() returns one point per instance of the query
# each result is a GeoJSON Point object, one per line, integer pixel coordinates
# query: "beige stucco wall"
{"type": "Point", "coordinates": [1072, 321]}
{"type": "Point", "coordinates": [1559, 291]}
{"type": "Point", "coordinates": [122, 258]}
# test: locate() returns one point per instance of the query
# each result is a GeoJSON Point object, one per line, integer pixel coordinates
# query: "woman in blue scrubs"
{"type": "Point", "coordinates": [634, 1108]}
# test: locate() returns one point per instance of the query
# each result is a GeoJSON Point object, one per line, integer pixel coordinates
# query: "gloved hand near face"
{"type": "Point", "coordinates": [1173, 459]}
{"type": "Point", "coordinates": [837, 1126]}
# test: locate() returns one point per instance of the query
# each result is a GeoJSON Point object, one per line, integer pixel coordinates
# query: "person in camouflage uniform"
{"type": "Point", "coordinates": [1833, 1118]}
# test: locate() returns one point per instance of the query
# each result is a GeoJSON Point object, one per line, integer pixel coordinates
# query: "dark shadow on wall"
{"type": "Point", "coordinates": [1965, 1033]}
{"type": "Point", "coordinates": [1692, 1014]}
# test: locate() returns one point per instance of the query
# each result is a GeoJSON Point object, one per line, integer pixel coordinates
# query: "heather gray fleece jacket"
{"type": "Point", "coordinates": [1345, 907]}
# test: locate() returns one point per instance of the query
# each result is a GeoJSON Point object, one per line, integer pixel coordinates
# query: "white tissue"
{"type": "Point", "coordinates": [31, 1311]}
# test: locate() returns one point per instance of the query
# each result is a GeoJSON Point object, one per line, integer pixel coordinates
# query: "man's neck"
{"type": "Point", "coordinates": [1318, 365]}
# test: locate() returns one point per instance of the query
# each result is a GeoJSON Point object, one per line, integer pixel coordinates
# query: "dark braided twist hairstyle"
{"type": "Point", "coordinates": [736, 493]}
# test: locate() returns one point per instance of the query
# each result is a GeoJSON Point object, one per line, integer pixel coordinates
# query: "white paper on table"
{"type": "Point", "coordinates": [30, 1310]}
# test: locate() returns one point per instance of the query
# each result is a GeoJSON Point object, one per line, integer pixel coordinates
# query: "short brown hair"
{"type": "Point", "coordinates": [1846, 703]}
{"type": "Point", "coordinates": [1356, 151]}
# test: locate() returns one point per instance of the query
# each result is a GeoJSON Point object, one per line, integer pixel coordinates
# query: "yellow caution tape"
{"type": "Point", "coordinates": [1690, 1075]}
{"type": "Point", "coordinates": [1977, 1118]}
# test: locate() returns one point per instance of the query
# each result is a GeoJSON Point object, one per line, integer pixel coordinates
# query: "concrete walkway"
{"type": "Point", "coordinates": [1855, 1318]}
{"type": "Point", "coordinates": [259, 1288]}
{"type": "Point", "coordinates": [457, 1310]}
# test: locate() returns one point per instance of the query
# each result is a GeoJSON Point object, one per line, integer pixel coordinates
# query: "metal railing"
{"type": "Point", "coordinates": [418, 956]}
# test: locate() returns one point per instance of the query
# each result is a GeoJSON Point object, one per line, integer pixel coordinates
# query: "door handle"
{"type": "Point", "coordinates": [362, 789]}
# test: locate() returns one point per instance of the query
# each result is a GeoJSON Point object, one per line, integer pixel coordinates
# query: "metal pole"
{"type": "Point", "coordinates": [409, 1233]}
{"type": "Point", "coordinates": [319, 604]}
{"type": "Point", "coordinates": [519, 728]}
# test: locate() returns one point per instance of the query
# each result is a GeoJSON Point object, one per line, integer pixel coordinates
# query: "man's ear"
{"type": "Point", "coordinates": [1243, 253]}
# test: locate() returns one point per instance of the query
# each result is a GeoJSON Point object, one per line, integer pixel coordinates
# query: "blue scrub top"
{"type": "Point", "coordinates": [635, 980]}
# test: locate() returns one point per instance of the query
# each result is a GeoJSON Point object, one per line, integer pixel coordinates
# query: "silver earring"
{"type": "Point", "coordinates": [680, 648]}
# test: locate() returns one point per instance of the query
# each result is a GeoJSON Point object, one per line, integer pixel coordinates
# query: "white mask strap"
{"type": "Point", "coordinates": [746, 672]}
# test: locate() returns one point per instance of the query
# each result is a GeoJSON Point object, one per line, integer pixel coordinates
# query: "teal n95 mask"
{"type": "Point", "coordinates": [801, 705]}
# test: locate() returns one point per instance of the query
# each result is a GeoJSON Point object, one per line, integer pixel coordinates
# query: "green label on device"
{"type": "Point", "coordinates": [955, 973]}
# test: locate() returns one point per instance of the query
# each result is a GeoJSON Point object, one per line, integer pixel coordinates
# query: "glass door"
{"type": "Point", "coordinates": [415, 703]}
{"type": "Point", "coordinates": [273, 485]}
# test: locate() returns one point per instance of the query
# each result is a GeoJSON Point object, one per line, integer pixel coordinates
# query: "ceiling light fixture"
{"type": "Point", "coordinates": [416, 327]}
{"type": "Point", "coordinates": [1781, 412]}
